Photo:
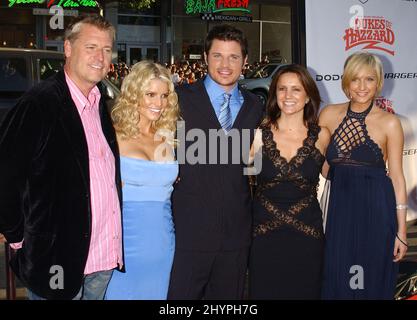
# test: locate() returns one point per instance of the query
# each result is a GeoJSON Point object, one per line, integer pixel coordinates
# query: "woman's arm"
{"type": "Point", "coordinates": [255, 156]}
{"type": "Point", "coordinates": [256, 145]}
{"type": "Point", "coordinates": [322, 144]}
{"type": "Point", "coordinates": [395, 144]}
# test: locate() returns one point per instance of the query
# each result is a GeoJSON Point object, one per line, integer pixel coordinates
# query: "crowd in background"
{"type": "Point", "coordinates": [181, 71]}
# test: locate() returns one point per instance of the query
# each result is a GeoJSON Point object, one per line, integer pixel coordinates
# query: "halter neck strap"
{"type": "Point", "coordinates": [359, 115]}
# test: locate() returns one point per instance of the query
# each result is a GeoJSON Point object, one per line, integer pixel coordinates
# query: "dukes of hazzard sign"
{"type": "Point", "coordinates": [374, 32]}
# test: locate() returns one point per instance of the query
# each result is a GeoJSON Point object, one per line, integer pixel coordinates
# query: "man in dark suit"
{"type": "Point", "coordinates": [59, 175]}
{"type": "Point", "coordinates": [211, 201]}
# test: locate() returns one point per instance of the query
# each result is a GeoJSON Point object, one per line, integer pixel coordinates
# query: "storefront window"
{"type": "Point", "coordinates": [139, 20]}
{"type": "Point", "coordinates": [276, 33]}
{"type": "Point", "coordinates": [188, 39]}
{"type": "Point", "coordinates": [269, 33]}
{"type": "Point", "coordinates": [275, 13]}
{"type": "Point", "coordinates": [152, 54]}
{"type": "Point", "coordinates": [17, 29]}
{"type": "Point", "coordinates": [126, 7]}
{"type": "Point", "coordinates": [276, 42]}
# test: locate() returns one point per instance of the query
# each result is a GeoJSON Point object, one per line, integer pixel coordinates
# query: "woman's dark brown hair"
{"type": "Point", "coordinates": [311, 109]}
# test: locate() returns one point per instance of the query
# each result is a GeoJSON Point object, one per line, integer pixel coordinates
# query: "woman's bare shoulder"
{"type": "Point", "coordinates": [335, 108]}
{"type": "Point", "coordinates": [392, 121]}
{"type": "Point", "coordinates": [387, 119]}
{"type": "Point", "coordinates": [332, 111]}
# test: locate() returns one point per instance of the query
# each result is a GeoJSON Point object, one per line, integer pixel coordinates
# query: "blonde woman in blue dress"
{"type": "Point", "coordinates": [145, 118]}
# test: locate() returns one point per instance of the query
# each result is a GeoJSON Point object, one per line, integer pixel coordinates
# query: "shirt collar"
{"type": "Point", "coordinates": [81, 101]}
{"type": "Point", "coordinates": [215, 91]}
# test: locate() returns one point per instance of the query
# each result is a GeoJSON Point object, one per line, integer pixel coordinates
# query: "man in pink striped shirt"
{"type": "Point", "coordinates": [60, 187]}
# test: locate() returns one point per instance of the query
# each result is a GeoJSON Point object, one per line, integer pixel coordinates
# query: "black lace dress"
{"type": "Point", "coordinates": [361, 218]}
{"type": "Point", "coordinates": [287, 248]}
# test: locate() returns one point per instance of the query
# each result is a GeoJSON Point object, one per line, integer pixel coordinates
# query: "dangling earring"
{"type": "Point", "coordinates": [307, 101]}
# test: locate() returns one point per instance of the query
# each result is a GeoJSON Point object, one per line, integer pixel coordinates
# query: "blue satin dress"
{"type": "Point", "coordinates": [148, 230]}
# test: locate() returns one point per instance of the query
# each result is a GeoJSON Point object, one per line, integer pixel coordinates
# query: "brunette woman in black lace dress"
{"type": "Point", "coordinates": [287, 250]}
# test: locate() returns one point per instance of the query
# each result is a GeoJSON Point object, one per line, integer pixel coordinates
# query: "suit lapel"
{"type": "Point", "coordinates": [71, 123]}
{"type": "Point", "coordinates": [244, 110]}
{"type": "Point", "coordinates": [204, 104]}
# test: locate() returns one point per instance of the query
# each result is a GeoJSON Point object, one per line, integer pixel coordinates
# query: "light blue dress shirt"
{"type": "Point", "coordinates": [215, 93]}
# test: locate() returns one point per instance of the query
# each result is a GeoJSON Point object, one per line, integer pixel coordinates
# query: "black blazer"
{"type": "Point", "coordinates": [211, 202]}
{"type": "Point", "coordinates": [45, 186]}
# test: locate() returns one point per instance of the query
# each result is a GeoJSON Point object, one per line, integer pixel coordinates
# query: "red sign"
{"type": "Point", "coordinates": [385, 104]}
{"type": "Point", "coordinates": [233, 3]}
{"type": "Point", "coordinates": [373, 32]}
{"type": "Point", "coordinates": [215, 6]}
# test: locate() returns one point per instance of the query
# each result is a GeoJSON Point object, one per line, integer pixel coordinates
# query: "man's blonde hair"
{"type": "Point", "coordinates": [73, 30]}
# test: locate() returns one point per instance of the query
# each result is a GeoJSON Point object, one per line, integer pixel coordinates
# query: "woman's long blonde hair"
{"type": "Point", "coordinates": [125, 114]}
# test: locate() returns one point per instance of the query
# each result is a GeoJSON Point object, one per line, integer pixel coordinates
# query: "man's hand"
{"type": "Point", "coordinates": [2, 238]}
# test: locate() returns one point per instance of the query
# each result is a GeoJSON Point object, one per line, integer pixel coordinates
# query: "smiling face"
{"type": "Point", "coordinates": [225, 63]}
{"type": "Point", "coordinates": [154, 101]}
{"type": "Point", "coordinates": [88, 57]}
{"type": "Point", "coordinates": [291, 95]}
{"type": "Point", "coordinates": [363, 86]}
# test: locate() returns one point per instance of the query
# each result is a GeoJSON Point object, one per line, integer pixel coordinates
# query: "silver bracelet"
{"type": "Point", "coordinates": [402, 206]}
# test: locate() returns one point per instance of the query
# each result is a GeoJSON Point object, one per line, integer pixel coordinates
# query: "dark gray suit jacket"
{"type": "Point", "coordinates": [211, 202]}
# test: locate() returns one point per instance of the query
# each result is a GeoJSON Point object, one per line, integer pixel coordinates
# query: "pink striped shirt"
{"type": "Point", "coordinates": [106, 233]}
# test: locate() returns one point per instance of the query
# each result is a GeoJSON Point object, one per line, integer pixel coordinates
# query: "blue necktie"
{"type": "Point", "coordinates": [225, 117]}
